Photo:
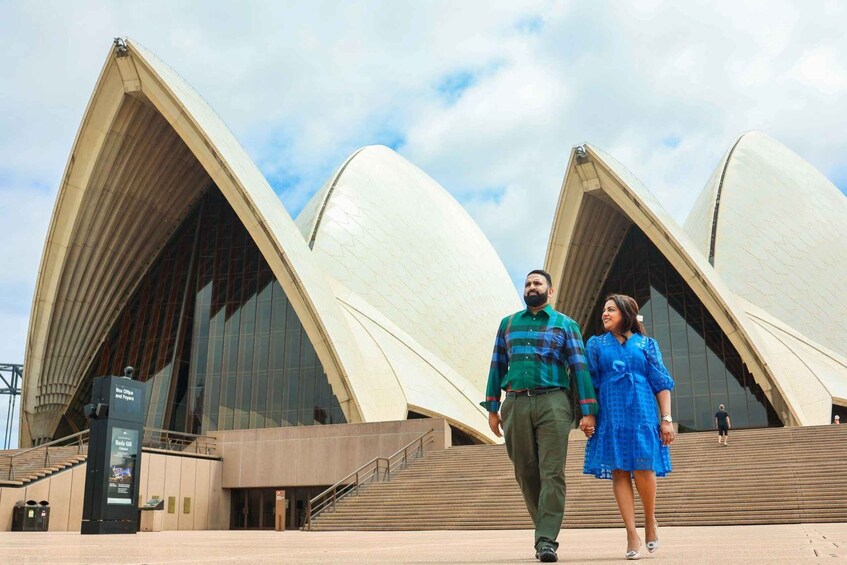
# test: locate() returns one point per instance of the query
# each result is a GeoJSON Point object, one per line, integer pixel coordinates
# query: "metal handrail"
{"type": "Point", "coordinates": [178, 441]}
{"type": "Point", "coordinates": [81, 439]}
{"type": "Point", "coordinates": [50, 443]}
{"type": "Point", "coordinates": [366, 474]}
{"type": "Point", "coordinates": [153, 437]}
{"type": "Point", "coordinates": [425, 440]}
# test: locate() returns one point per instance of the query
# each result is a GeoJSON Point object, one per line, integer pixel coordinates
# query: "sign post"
{"type": "Point", "coordinates": [110, 503]}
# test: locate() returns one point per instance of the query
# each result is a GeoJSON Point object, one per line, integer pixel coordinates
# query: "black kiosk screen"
{"type": "Point", "coordinates": [122, 465]}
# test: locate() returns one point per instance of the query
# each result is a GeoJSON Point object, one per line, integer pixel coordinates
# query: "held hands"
{"type": "Point", "coordinates": [495, 423]}
{"type": "Point", "coordinates": [666, 433]}
{"type": "Point", "coordinates": [587, 425]}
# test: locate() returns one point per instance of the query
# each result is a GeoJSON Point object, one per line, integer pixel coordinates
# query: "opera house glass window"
{"type": "Point", "coordinates": [707, 369]}
{"type": "Point", "coordinates": [214, 336]}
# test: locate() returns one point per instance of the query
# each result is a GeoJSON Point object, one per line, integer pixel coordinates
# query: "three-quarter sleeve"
{"type": "Point", "coordinates": [657, 374]}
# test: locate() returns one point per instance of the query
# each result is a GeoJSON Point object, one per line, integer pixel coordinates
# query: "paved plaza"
{"type": "Point", "coordinates": [797, 543]}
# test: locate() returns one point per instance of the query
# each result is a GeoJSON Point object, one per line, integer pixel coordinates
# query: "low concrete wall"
{"type": "Point", "coordinates": [273, 457]}
{"type": "Point", "coordinates": [162, 475]}
{"type": "Point", "coordinates": [199, 479]}
{"type": "Point", "coordinates": [315, 455]}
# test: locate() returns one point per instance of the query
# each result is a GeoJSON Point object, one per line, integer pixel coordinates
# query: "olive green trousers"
{"type": "Point", "coordinates": [536, 430]}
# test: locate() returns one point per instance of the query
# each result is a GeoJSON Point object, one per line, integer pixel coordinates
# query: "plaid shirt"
{"type": "Point", "coordinates": [535, 351]}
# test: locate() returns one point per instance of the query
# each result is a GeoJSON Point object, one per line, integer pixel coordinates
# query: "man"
{"type": "Point", "coordinates": [837, 419]}
{"type": "Point", "coordinates": [532, 354]}
{"type": "Point", "coordinates": [722, 423]}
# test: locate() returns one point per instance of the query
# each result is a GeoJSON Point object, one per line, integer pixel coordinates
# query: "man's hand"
{"type": "Point", "coordinates": [495, 423]}
{"type": "Point", "coordinates": [587, 425]}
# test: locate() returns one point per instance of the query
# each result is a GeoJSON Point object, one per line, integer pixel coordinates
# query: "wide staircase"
{"type": "Point", "coordinates": [766, 476]}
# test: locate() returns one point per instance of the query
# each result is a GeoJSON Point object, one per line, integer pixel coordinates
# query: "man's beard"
{"type": "Point", "coordinates": [535, 300]}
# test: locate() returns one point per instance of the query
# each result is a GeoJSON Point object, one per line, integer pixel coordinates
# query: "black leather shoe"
{"type": "Point", "coordinates": [546, 555]}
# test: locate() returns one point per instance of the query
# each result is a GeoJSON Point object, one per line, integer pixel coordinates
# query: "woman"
{"type": "Point", "coordinates": [630, 443]}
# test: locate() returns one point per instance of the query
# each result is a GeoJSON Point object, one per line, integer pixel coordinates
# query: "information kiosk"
{"type": "Point", "coordinates": [116, 412]}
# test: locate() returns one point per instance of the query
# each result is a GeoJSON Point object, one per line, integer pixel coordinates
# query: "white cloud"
{"type": "Point", "coordinates": [820, 69]}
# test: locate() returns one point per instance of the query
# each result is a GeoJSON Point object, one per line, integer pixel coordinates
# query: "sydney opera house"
{"type": "Point", "coordinates": [743, 298]}
{"type": "Point", "coordinates": [169, 251]}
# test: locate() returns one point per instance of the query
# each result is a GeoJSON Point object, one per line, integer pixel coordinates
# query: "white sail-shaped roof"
{"type": "Point", "coordinates": [392, 235]}
{"type": "Point", "coordinates": [813, 376]}
{"type": "Point", "coordinates": [775, 227]}
{"type": "Point", "coordinates": [600, 199]}
{"type": "Point", "coordinates": [772, 226]}
{"type": "Point", "coordinates": [147, 149]}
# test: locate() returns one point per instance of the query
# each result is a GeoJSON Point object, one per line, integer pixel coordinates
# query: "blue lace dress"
{"type": "Point", "coordinates": [627, 378]}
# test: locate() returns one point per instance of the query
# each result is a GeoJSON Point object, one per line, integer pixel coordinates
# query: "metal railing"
{"type": "Point", "coordinates": [375, 470]}
{"type": "Point", "coordinates": [19, 464]}
{"type": "Point", "coordinates": [29, 460]}
{"type": "Point", "coordinates": [178, 441]}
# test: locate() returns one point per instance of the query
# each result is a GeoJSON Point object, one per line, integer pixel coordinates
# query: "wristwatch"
{"type": "Point", "coordinates": [667, 418]}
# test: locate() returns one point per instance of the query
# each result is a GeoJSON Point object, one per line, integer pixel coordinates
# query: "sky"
{"type": "Point", "coordinates": [488, 98]}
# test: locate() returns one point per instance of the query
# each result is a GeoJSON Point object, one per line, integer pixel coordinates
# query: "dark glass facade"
{"type": "Point", "coordinates": [706, 368]}
{"type": "Point", "coordinates": [214, 336]}
{"type": "Point", "coordinates": [255, 508]}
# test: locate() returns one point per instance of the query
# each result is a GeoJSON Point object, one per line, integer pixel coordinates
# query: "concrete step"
{"type": "Point", "coordinates": [779, 475]}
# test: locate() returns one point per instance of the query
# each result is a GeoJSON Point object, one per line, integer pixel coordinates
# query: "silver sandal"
{"type": "Point", "coordinates": [654, 545]}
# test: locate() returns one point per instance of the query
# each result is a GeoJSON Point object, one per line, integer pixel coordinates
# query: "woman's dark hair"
{"type": "Point", "coordinates": [629, 313]}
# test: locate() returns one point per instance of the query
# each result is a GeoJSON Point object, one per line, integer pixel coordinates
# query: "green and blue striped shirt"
{"type": "Point", "coordinates": [536, 351]}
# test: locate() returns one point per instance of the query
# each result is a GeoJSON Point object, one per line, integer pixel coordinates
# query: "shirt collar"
{"type": "Point", "coordinates": [548, 310]}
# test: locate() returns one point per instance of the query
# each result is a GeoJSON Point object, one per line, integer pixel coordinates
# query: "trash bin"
{"type": "Point", "coordinates": [42, 516]}
{"type": "Point", "coordinates": [18, 515]}
{"type": "Point", "coordinates": [31, 516]}
{"type": "Point", "coordinates": [152, 516]}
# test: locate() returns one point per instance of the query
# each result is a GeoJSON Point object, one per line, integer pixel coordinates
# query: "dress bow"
{"type": "Point", "coordinates": [619, 373]}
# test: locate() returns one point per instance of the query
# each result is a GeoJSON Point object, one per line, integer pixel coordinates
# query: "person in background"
{"type": "Point", "coordinates": [631, 442]}
{"type": "Point", "coordinates": [722, 423]}
{"type": "Point", "coordinates": [837, 419]}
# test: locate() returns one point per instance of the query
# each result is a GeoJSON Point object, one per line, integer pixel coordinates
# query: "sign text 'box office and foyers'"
{"type": "Point", "coordinates": [116, 412]}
